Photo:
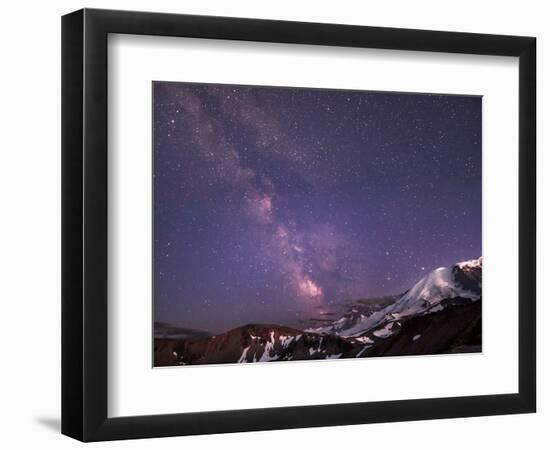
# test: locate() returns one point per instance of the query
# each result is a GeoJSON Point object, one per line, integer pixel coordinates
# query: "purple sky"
{"type": "Point", "coordinates": [274, 204]}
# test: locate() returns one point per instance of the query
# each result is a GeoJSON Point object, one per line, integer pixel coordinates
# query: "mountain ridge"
{"type": "Point", "coordinates": [441, 313]}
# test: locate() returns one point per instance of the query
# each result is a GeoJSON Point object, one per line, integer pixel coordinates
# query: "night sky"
{"type": "Point", "coordinates": [274, 205]}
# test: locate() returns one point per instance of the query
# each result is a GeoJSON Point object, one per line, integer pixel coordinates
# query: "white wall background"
{"type": "Point", "coordinates": [30, 226]}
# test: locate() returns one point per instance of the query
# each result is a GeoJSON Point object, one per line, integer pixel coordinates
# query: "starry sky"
{"type": "Point", "coordinates": [275, 205]}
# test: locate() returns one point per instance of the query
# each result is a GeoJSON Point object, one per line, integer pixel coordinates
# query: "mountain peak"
{"type": "Point", "coordinates": [471, 263]}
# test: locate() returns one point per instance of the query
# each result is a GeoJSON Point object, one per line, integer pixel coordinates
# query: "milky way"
{"type": "Point", "coordinates": [275, 205]}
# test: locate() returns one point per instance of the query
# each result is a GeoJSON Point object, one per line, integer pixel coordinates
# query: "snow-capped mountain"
{"type": "Point", "coordinates": [432, 293]}
{"type": "Point", "coordinates": [441, 313]}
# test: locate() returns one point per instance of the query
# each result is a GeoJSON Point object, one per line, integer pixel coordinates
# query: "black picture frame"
{"type": "Point", "coordinates": [84, 224]}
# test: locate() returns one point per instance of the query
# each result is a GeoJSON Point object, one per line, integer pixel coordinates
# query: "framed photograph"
{"type": "Point", "coordinates": [273, 224]}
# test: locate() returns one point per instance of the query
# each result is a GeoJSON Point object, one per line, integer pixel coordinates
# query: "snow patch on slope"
{"type": "Point", "coordinates": [384, 332]}
{"type": "Point", "coordinates": [269, 351]}
{"type": "Point", "coordinates": [243, 356]}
